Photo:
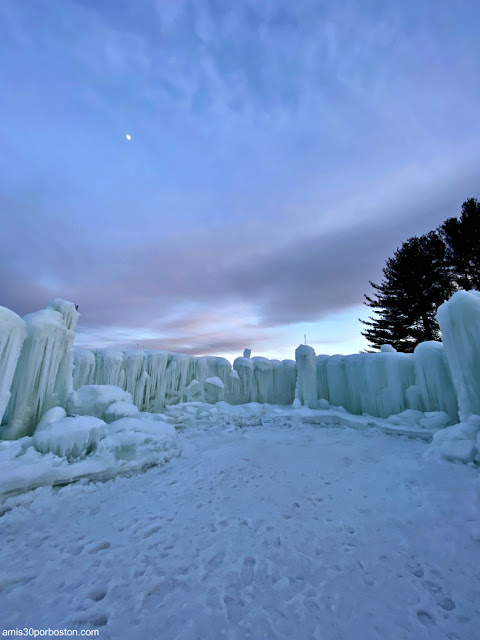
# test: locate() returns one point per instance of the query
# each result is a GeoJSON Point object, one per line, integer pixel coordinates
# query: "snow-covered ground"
{"type": "Point", "coordinates": [254, 532]}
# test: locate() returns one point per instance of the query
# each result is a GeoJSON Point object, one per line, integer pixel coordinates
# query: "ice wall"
{"type": "Point", "coordinates": [434, 380]}
{"type": "Point", "coordinates": [12, 335]}
{"type": "Point", "coordinates": [459, 320]}
{"type": "Point", "coordinates": [156, 379]}
{"type": "Point", "coordinates": [380, 384]}
{"type": "Point", "coordinates": [431, 379]}
{"type": "Point", "coordinates": [84, 368]}
{"type": "Point", "coordinates": [43, 376]}
{"type": "Point", "coordinates": [373, 383]}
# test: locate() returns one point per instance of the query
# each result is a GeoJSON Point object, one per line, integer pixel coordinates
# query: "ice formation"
{"type": "Point", "coordinates": [12, 335]}
{"type": "Point", "coordinates": [428, 390]}
{"type": "Point", "coordinates": [214, 390]}
{"type": "Point", "coordinates": [378, 384]}
{"type": "Point", "coordinates": [156, 379]}
{"type": "Point", "coordinates": [70, 437]}
{"type": "Point", "coordinates": [307, 386]}
{"type": "Point", "coordinates": [120, 409]}
{"type": "Point", "coordinates": [72, 448]}
{"type": "Point", "coordinates": [95, 400]}
{"type": "Point", "coordinates": [459, 320]}
{"type": "Point", "coordinates": [43, 376]}
{"type": "Point", "coordinates": [434, 380]}
{"type": "Point", "coordinates": [85, 365]}
{"type": "Point", "coordinates": [50, 416]}
{"type": "Point", "coordinates": [133, 439]}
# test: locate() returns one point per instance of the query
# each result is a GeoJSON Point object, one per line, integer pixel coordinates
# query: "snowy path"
{"type": "Point", "coordinates": [254, 533]}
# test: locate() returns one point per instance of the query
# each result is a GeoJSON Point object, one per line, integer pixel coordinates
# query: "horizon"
{"type": "Point", "coordinates": [208, 178]}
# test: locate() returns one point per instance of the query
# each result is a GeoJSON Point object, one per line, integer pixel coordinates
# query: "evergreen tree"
{"type": "Point", "coordinates": [462, 240]}
{"type": "Point", "coordinates": [416, 280]}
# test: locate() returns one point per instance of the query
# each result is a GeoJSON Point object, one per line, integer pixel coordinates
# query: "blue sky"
{"type": "Point", "coordinates": [280, 152]}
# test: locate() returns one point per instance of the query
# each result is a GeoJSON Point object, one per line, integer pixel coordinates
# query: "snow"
{"type": "Point", "coordinates": [120, 409]}
{"type": "Point", "coordinates": [94, 400]}
{"type": "Point", "coordinates": [43, 376]}
{"type": "Point", "coordinates": [312, 499]}
{"type": "Point", "coordinates": [458, 442]}
{"type": "Point", "coordinates": [387, 348]}
{"type": "Point", "coordinates": [51, 416]}
{"type": "Point", "coordinates": [139, 440]}
{"type": "Point", "coordinates": [254, 532]}
{"type": "Point", "coordinates": [435, 420]}
{"type": "Point", "coordinates": [83, 448]}
{"type": "Point", "coordinates": [216, 382]}
{"type": "Point", "coordinates": [12, 335]}
{"type": "Point", "coordinates": [71, 437]}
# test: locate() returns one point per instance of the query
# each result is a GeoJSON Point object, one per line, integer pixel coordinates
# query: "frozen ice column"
{"type": "Point", "coordinates": [306, 390]}
{"type": "Point", "coordinates": [459, 320]}
{"type": "Point", "coordinates": [43, 377]}
{"type": "Point", "coordinates": [12, 335]}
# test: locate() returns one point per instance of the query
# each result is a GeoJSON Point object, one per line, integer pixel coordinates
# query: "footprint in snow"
{"type": "Point", "coordinates": [151, 531]}
{"type": "Point", "coordinates": [246, 576]}
{"type": "Point", "coordinates": [235, 608]}
{"type": "Point", "coordinates": [95, 620]}
{"type": "Point", "coordinates": [447, 604]}
{"type": "Point", "coordinates": [101, 546]}
{"type": "Point", "coordinates": [216, 560]}
{"type": "Point", "coordinates": [425, 618]}
{"type": "Point", "coordinates": [97, 594]}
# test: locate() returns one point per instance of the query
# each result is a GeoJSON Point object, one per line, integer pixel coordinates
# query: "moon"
{"type": "Point", "coordinates": [128, 136]}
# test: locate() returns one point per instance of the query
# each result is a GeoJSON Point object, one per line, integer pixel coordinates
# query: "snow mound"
{"type": "Point", "coordinates": [51, 416]}
{"type": "Point", "coordinates": [144, 441]}
{"type": "Point", "coordinates": [84, 447]}
{"type": "Point", "coordinates": [216, 382]}
{"type": "Point", "coordinates": [70, 437]}
{"type": "Point", "coordinates": [222, 415]}
{"type": "Point", "coordinates": [120, 409]}
{"type": "Point", "coordinates": [459, 443]}
{"type": "Point", "coordinates": [95, 399]}
{"type": "Point", "coordinates": [435, 420]}
{"type": "Point", "coordinates": [214, 389]}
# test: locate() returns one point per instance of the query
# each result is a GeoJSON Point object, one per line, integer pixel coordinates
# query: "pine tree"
{"type": "Point", "coordinates": [416, 280]}
{"type": "Point", "coordinates": [462, 240]}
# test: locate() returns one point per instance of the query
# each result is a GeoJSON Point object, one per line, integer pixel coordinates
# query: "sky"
{"type": "Point", "coordinates": [280, 152]}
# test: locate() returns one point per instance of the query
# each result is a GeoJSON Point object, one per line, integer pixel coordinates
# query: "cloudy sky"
{"type": "Point", "coordinates": [280, 151]}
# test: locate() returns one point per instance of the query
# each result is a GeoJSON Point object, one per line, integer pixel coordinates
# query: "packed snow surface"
{"type": "Point", "coordinates": [254, 532]}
